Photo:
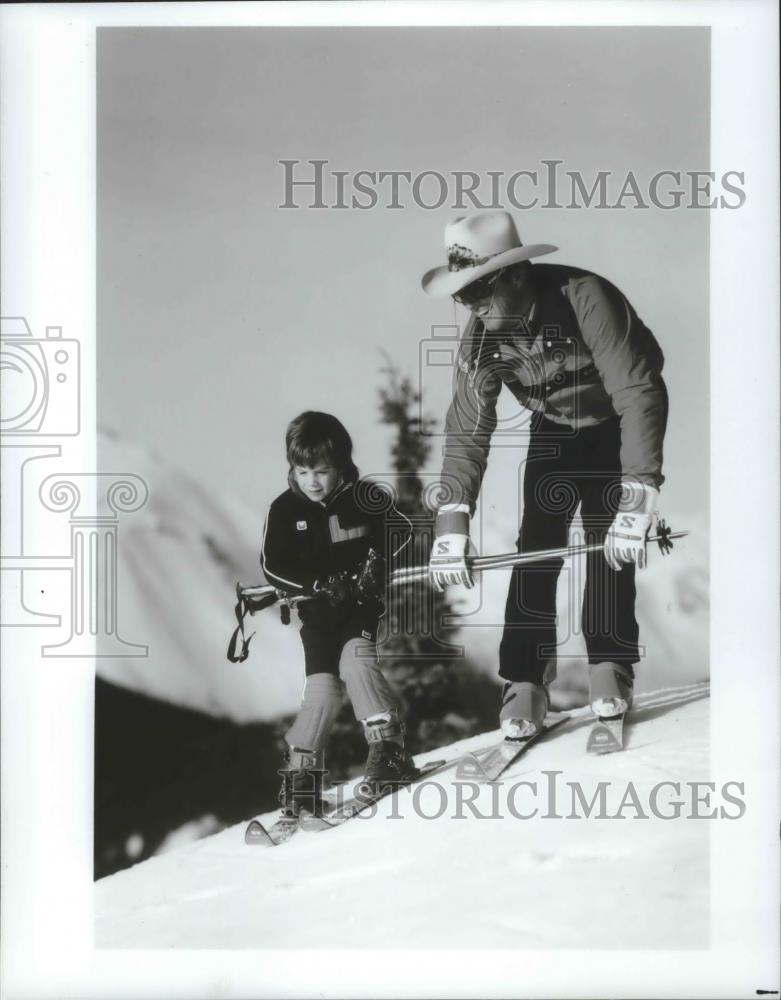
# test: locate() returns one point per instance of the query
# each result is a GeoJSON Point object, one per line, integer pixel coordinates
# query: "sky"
{"type": "Point", "coordinates": [221, 315]}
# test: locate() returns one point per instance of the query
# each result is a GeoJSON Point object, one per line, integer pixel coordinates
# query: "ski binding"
{"type": "Point", "coordinates": [489, 765]}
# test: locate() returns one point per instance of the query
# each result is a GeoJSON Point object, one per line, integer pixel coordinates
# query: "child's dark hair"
{"type": "Point", "coordinates": [315, 437]}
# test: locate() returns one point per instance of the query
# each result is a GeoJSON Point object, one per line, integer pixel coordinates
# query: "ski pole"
{"type": "Point", "coordinates": [267, 595]}
{"type": "Point", "coordinates": [507, 560]}
{"type": "Point", "coordinates": [272, 594]}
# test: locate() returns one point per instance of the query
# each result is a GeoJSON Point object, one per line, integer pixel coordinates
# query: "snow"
{"type": "Point", "coordinates": [403, 878]}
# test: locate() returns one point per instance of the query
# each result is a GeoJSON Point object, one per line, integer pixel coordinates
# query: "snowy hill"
{"type": "Point", "coordinates": [406, 878]}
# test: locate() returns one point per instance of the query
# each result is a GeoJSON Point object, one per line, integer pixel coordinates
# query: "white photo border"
{"type": "Point", "coordinates": [48, 253]}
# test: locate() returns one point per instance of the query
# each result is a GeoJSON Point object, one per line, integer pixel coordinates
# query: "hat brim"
{"type": "Point", "coordinates": [440, 281]}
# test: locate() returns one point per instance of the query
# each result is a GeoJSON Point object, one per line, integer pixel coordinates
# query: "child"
{"type": "Point", "coordinates": [317, 538]}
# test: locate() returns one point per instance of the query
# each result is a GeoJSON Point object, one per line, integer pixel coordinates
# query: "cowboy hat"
{"type": "Point", "coordinates": [477, 245]}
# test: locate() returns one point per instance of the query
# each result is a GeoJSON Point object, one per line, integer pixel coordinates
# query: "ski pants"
{"type": "Point", "coordinates": [337, 658]}
{"type": "Point", "coordinates": [564, 469]}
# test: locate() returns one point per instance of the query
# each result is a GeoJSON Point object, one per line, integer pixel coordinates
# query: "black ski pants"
{"type": "Point", "coordinates": [564, 469]}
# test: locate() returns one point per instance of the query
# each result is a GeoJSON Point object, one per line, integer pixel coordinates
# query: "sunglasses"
{"type": "Point", "coordinates": [478, 290]}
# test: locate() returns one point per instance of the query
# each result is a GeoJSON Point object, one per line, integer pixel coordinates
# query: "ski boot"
{"type": "Point", "coordinates": [388, 765]}
{"type": "Point", "coordinates": [610, 689]}
{"type": "Point", "coordinates": [523, 711]}
{"type": "Point", "coordinates": [302, 783]}
{"type": "Point", "coordinates": [302, 786]}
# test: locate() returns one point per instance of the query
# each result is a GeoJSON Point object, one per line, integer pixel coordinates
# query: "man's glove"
{"type": "Point", "coordinates": [337, 589]}
{"type": "Point", "coordinates": [625, 540]}
{"type": "Point", "coordinates": [447, 563]}
{"type": "Point", "coordinates": [370, 583]}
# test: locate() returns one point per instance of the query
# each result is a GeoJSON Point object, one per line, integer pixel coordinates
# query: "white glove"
{"type": "Point", "coordinates": [625, 540]}
{"type": "Point", "coordinates": [448, 562]}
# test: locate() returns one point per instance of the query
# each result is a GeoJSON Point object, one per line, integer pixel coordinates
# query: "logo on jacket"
{"type": "Point", "coordinates": [300, 525]}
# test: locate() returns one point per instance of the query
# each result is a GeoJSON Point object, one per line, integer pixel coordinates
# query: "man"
{"type": "Point", "coordinates": [574, 353]}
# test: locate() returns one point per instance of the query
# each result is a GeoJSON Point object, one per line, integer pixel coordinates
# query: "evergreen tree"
{"type": "Point", "coordinates": [444, 698]}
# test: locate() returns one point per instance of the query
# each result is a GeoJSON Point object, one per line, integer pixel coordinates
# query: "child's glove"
{"type": "Point", "coordinates": [337, 589]}
{"type": "Point", "coordinates": [370, 583]}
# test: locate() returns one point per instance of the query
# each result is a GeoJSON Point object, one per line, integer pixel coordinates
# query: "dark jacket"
{"type": "Point", "coordinates": [585, 357]}
{"type": "Point", "coordinates": [305, 541]}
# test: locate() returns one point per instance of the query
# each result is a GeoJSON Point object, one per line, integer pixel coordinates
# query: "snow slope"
{"type": "Point", "coordinates": [489, 881]}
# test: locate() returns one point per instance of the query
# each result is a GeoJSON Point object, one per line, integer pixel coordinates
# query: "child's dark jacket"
{"type": "Point", "coordinates": [306, 541]}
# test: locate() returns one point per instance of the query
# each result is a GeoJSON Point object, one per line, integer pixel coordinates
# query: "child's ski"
{"type": "Point", "coordinates": [314, 824]}
{"type": "Point", "coordinates": [489, 765]}
{"type": "Point", "coordinates": [258, 836]}
{"type": "Point", "coordinates": [606, 735]}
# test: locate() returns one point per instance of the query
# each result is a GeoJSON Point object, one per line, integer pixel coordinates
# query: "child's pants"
{"type": "Point", "coordinates": [329, 655]}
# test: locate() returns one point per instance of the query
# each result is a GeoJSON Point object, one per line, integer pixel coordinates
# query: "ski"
{"type": "Point", "coordinates": [256, 835]}
{"type": "Point", "coordinates": [489, 765]}
{"type": "Point", "coordinates": [314, 824]}
{"type": "Point", "coordinates": [606, 735]}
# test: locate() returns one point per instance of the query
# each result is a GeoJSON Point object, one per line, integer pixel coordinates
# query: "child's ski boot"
{"type": "Point", "coordinates": [302, 783]}
{"type": "Point", "coordinates": [302, 787]}
{"type": "Point", "coordinates": [388, 765]}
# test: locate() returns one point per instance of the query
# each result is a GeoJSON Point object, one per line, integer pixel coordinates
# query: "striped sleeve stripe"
{"type": "Point", "coordinates": [265, 567]}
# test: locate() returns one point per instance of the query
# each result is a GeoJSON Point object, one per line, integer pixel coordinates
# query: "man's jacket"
{"type": "Point", "coordinates": [305, 541]}
{"type": "Point", "coordinates": [584, 357]}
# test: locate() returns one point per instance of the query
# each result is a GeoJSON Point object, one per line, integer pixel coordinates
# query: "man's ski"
{"type": "Point", "coordinates": [606, 735]}
{"type": "Point", "coordinates": [258, 836]}
{"type": "Point", "coordinates": [314, 824]}
{"type": "Point", "coordinates": [489, 765]}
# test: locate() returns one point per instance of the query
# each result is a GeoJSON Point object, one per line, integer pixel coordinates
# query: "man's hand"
{"type": "Point", "coordinates": [625, 540]}
{"type": "Point", "coordinates": [447, 564]}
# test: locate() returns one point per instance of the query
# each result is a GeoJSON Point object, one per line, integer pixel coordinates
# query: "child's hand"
{"type": "Point", "coordinates": [336, 589]}
{"type": "Point", "coordinates": [370, 584]}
